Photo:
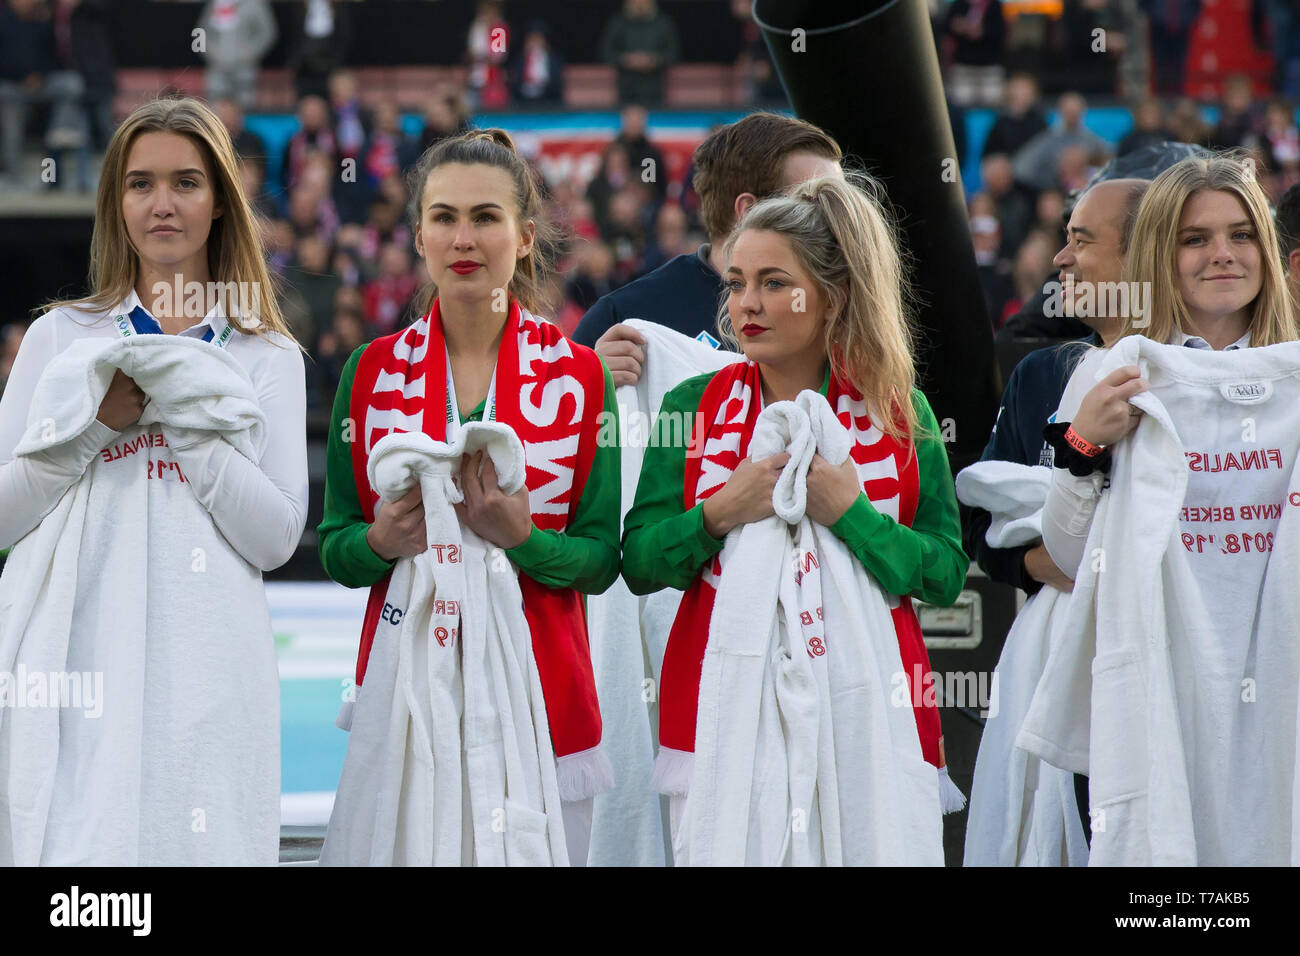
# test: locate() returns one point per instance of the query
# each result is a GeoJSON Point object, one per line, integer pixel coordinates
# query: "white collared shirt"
{"type": "Point", "coordinates": [1196, 342]}
{"type": "Point", "coordinates": [261, 509]}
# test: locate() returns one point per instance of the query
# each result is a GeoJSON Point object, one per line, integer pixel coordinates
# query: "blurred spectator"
{"type": "Point", "coordinates": [311, 203]}
{"type": "Point", "coordinates": [352, 121]}
{"type": "Point", "coordinates": [346, 334]}
{"type": "Point", "coordinates": [1280, 144]}
{"type": "Point", "coordinates": [1013, 207]}
{"type": "Point", "coordinates": [626, 232]}
{"type": "Point", "coordinates": [387, 296]}
{"type": "Point", "coordinates": [1073, 170]}
{"type": "Point", "coordinates": [986, 237]}
{"type": "Point", "coordinates": [1135, 52]}
{"type": "Point", "coordinates": [1238, 121]}
{"type": "Point", "coordinates": [1049, 215]}
{"type": "Point", "coordinates": [487, 49]}
{"type": "Point", "coordinates": [1284, 21]}
{"type": "Point", "coordinates": [759, 82]}
{"type": "Point", "coordinates": [252, 176]}
{"type": "Point", "coordinates": [1037, 162]}
{"type": "Point", "coordinates": [320, 45]}
{"type": "Point", "coordinates": [247, 143]}
{"type": "Point", "coordinates": [670, 237]}
{"type": "Point", "coordinates": [1033, 261]}
{"type": "Point", "coordinates": [389, 150]}
{"type": "Point", "coordinates": [1148, 127]}
{"type": "Point", "coordinates": [345, 265]}
{"type": "Point", "coordinates": [310, 274]}
{"type": "Point", "coordinates": [280, 244]}
{"type": "Point", "coordinates": [640, 43]}
{"type": "Point", "coordinates": [1170, 25]}
{"type": "Point", "coordinates": [1188, 125]}
{"type": "Point", "coordinates": [11, 336]}
{"type": "Point", "coordinates": [445, 114]}
{"type": "Point", "coordinates": [539, 69]}
{"type": "Point", "coordinates": [614, 173]}
{"type": "Point", "coordinates": [236, 34]}
{"type": "Point", "coordinates": [977, 33]}
{"type": "Point", "coordinates": [314, 136]}
{"type": "Point", "coordinates": [632, 135]}
{"type": "Point", "coordinates": [83, 43]}
{"type": "Point", "coordinates": [592, 277]}
{"type": "Point", "coordinates": [1020, 118]}
{"type": "Point", "coordinates": [384, 225]}
{"type": "Point", "coordinates": [29, 73]}
{"type": "Point", "coordinates": [1092, 42]}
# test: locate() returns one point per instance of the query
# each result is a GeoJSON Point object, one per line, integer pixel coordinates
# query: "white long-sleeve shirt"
{"type": "Point", "coordinates": [1072, 500]}
{"type": "Point", "coordinates": [260, 509]}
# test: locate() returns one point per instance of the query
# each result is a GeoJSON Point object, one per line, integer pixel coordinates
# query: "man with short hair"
{"type": "Point", "coordinates": [1094, 254]}
{"type": "Point", "coordinates": [736, 166]}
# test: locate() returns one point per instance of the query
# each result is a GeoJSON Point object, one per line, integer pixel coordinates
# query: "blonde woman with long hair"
{"type": "Point", "coordinates": [182, 766]}
{"type": "Point", "coordinates": [816, 301]}
{"type": "Point", "coordinates": [1205, 246]}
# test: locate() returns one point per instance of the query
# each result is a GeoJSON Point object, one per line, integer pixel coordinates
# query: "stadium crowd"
{"type": "Point", "coordinates": [341, 243]}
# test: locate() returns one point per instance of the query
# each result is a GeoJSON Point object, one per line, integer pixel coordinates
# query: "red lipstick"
{"type": "Point", "coordinates": [465, 266]}
{"type": "Point", "coordinates": [750, 330]}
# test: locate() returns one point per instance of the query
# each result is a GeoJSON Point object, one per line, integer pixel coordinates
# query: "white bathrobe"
{"type": "Point", "coordinates": [1023, 812]}
{"type": "Point", "coordinates": [123, 581]}
{"type": "Point", "coordinates": [629, 633]}
{"type": "Point", "coordinates": [801, 757]}
{"type": "Point", "coordinates": [449, 761]}
{"type": "Point", "coordinates": [1174, 687]}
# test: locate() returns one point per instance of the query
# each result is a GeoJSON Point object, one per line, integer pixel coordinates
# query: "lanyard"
{"type": "Point", "coordinates": [140, 322]}
{"type": "Point", "coordinates": [453, 410]}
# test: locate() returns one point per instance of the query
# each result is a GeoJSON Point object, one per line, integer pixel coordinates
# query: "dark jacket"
{"type": "Point", "coordinates": [1029, 401]}
{"type": "Point", "coordinates": [625, 34]}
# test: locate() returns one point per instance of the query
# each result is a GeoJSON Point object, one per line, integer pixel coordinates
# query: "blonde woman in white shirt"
{"type": "Point", "coordinates": [1205, 245]}
{"type": "Point", "coordinates": [171, 219]}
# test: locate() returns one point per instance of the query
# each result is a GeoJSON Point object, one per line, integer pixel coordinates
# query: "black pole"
{"type": "Point", "coordinates": [867, 73]}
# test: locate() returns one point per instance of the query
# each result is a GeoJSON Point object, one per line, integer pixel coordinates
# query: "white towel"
{"type": "Point", "coordinates": [118, 583]}
{"type": "Point", "coordinates": [801, 757]}
{"type": "Point", "coordinates": [1023, 812]}
{"type": "Point", "coordinates": [449, 762]}
{"type": "Point", "coordinates": [1174, 685]}
{"type": "Point", "coordinates": [629, 633]}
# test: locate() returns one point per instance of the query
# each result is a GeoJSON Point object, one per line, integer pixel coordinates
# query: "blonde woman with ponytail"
{"type": "Point", "coordinates": [479, 353]}
{"type": "Point", "coordinates": [816, 301]}
{"type": "Point", "coordinates": [182, 766]}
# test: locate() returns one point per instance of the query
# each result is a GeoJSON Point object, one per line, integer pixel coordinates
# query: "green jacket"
{"type": "Point", "coordinates": [665, 544]}
{"type": "Point", "coordinates": [584, 556]}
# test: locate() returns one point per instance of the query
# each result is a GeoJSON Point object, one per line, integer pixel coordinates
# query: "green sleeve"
{"type": "Point", "coordinates": [344, 553]}
{"type": "Point", "coordinates": [925, 560]}
{"type": "Point", "coordinates": [664, 544]}
{"type": "Point", "coordinates": [585, 556]}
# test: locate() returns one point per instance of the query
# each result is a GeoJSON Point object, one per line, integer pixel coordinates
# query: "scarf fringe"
{"type": "Point", "coordinates": [584, 774]}
{"type": "Point", "coordinates": [951, 799]}
{"type": "Point", "coordinates": [672, 772]}
{"type": "Point", "coordinates": [344, 719]}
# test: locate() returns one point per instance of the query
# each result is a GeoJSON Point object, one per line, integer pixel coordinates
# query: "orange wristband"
{"type": "Point", "coordinates": [1081, 444]}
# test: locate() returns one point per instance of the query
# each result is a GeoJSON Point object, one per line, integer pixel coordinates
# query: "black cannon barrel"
{"type": "Point", "coordinates": [867, 73]}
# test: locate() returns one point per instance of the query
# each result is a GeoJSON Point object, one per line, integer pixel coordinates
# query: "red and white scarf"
{"type": "Point", "coordinates": [889, 475]}
{"type": "Point", "coordinates": [551, 392]}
